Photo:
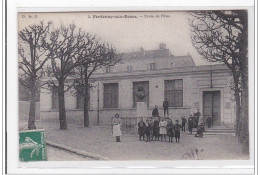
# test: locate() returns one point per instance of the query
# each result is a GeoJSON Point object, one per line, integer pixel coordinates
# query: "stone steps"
{"type": "Point", "coordinates": [217, 130]}
{"type": "Point", "coordinates": [210, 133]}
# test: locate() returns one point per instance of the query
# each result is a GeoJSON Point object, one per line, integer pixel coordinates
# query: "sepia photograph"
{"type": "Point", "coordinates": [133, 85]}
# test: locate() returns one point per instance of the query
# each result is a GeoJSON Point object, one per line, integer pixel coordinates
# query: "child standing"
{"type": "Point", "coordinates": [190, 123]}
{"type": "Point", "coordinates": [149, 129]}
{"type": "Point", "coordinates": [177, 130]}
{"type": "Point", "coordinates": [170, 131]}
{"type": "Point", "coordinates": [209, 121]}
{"type": "Point", "coordinates": [183, 123]}
{"type": "Point", "coordinates": [163, 130]}
{"type": "Point", "coordinates": [156, 129]}
{"type": "Point", "coordinates": [116, 127]}
{"type": "Point", "coordinates": [141, 128]}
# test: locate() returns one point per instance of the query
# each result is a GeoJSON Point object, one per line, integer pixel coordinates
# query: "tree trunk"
{"type": "Point", "coordinates": [86, 114]}
{"type": "Point", "coordinates": [245, 131]}
{"type": "Point", "coordinates": [62, 111]}
{"type": "Point", "coordinates": [238, 115]}
{"type": "Point", "coordinates": [244, 106]}
{"type": "Point", "coordinates": [31, 120]}
{"type": "Point", "coordinates": [244, 86]}
{"type": "Point", "coordinates": [238, 105]}
{"type": "Point", "coordinates": [86, 101]}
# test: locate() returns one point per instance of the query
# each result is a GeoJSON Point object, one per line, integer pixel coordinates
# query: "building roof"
{"type": "Point", "coordinates": [161, 53]}
{"type": "Point", "coordinates": [183, 61]}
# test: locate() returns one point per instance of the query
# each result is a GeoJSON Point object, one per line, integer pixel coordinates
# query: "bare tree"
{"type": "Point", "coordinates": [32, 58]}
{"type": "Point", "coordinates": [66, 46]}
{"type": "Point", "coordinates": [222, 36]}
{"type": "Point", "coordinates": [95, 56]}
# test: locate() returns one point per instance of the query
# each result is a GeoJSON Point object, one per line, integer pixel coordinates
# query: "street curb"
{"type": "Point", "coordinates": [76, 151]}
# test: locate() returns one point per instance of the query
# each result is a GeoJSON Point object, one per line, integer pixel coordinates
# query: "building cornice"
{"type": "Point", "coordinates": [198, 70]}
{"type": "Point", "coordinates": [162, 72]}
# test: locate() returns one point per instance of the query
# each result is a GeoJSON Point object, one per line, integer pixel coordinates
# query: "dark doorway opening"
{"type": "Point", "coordinates": [211, 106]}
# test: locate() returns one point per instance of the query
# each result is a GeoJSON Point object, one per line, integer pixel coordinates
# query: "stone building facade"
{"type": "Point", "coordinates": [188, 87]}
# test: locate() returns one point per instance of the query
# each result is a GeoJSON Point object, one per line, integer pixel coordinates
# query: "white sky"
{"type": "Point", "coordinates": [129, 34]}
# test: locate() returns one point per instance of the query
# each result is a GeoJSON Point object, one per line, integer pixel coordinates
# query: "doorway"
{"type": "Point", "coordinates": [211, 106]}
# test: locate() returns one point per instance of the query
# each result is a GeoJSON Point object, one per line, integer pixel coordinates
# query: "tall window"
{"type": "Point", "coordinates": [174, 92]}
{"type": "Point", "coordinates": [145, 85]}
{"type": "Point", "coordinates": [80, 98]}
{"type": "Point", "coordinates": [111, 95]}
{"type": "Point", "coordinates": [108, 69]}
{"type": "Point", "coordinates": [152, 66]}
{"type": "Point", "coordinates": [55, 100]}
{"type": "Point", "coordinates": [129, 68]}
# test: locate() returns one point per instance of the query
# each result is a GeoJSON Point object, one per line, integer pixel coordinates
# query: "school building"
{"type": "Point", "coordinates": [188, 87]}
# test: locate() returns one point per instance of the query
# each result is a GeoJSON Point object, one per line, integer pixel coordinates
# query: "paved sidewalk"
{"type": "Point", "coordinates": [98, 140]}
{"type": "Point", "coordinates": [55, 154]}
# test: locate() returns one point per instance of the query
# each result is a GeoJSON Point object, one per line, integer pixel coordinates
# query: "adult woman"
{"type": "Point", "coordinates": [116, 127]}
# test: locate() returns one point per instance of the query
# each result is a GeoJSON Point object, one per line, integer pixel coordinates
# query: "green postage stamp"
{"type": "Point", "coordinates": [32, 145]}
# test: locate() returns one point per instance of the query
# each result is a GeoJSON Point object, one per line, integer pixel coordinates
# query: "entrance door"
{"type": "Point", "coordinates": [211, 106]}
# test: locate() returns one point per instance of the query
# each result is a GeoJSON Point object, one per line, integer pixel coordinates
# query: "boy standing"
{"type": "Point", "coordinates": [177, 130]}
{"type": "Point", "coordinates": [209, 121]}
{"type": "Point", "coordinates": [156, 129]}
{"type": "Point", "coordinates": [149, 129]}
{"type": "Point", "coordinates": [170, 131]}
{"type": "Point", "coordinates": [190, 123]}
{"type": "Point", "coordinates": [141, 128]}
{"type": "Point", "coordinates": [183, 123]}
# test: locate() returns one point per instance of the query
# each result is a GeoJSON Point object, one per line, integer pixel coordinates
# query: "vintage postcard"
{"type": "Point", "coordinates": [153, 85]}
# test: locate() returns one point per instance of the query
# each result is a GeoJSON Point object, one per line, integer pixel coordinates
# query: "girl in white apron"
{"type": "Point", "coordinates": [116, 127]}
{"type": "Point", "coordinates": [163, 130]}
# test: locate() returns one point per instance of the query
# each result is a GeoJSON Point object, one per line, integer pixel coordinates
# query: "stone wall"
{"type": "Point", "coordinates": [195, 81]}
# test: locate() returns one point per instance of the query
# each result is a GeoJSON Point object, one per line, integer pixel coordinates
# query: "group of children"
{"type": "Point", "coordinates": [155, 128]}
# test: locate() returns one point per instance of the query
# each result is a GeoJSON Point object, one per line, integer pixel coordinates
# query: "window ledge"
{"type": "Point", "coordinates": [109, 109]}
{"type": "Point", "coordinates": [161, 108]}
{"type": "Point", "coordinates": [183, 107]}
{"type": "Point", "coordinates": [105, 109]}
{"type": "Point", "coordinates": [54, 110]}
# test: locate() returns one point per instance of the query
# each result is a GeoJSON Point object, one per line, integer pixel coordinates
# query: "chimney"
{"type": "Point", "coordinates": [162, 46]}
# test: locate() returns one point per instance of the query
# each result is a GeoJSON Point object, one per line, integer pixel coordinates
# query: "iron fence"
{"type": "Point", "coordinates": [129, 124]}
